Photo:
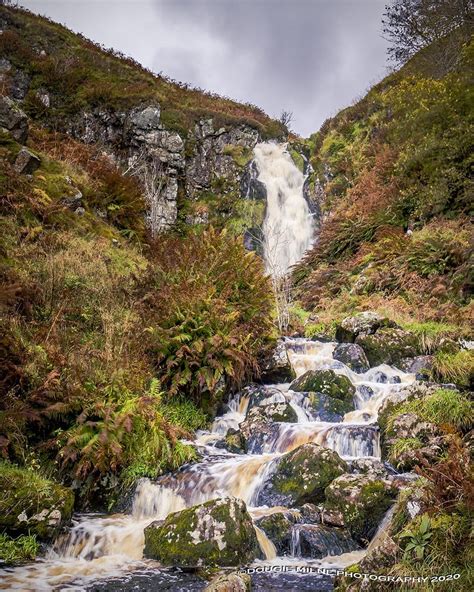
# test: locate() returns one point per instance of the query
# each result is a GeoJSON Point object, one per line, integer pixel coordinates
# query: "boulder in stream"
{"type": "Point", "coordinates": [327, 382]}
{"type": "Point", "coordinates": [316, 541]}
{"type": "Point", "coordinates": [362, 500]}
{"type": "Point", "coordinates": [217, 533]}
{"type": "Point", "coordinates": [389, 346]}
{"type": "Point", "coordinates": [277, 527]}
{"type": "Point", "coordinates": [301, 476]}
{"type": "Point", "coordinates": [352, 355]}
{"type": "Point", "coordinates": [261, 424]}
{"type": "Point", "coordinates": [278, 369]}
{"type": "Point", "coordinates": [232, 582]}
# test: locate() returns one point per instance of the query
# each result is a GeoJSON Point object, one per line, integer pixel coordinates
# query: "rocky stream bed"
{"type": "Point", "coordinates": [290, 474]}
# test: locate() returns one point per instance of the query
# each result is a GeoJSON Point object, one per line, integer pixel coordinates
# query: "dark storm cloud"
{"type": "Point", "coordinates": [311, 57]}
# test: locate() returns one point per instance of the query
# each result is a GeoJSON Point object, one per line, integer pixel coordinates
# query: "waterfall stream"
{"type": "Point", "coordinates": [106, 546]}
{"type": "Point", "coordinates": [98, 547]}
{"type": "Point", "coordinates": [288, 227]}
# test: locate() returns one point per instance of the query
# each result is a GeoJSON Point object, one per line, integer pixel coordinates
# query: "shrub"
{"type": "Point", "coordinates": [210, 308]}
{"type": "Point", "coordinates": [123, 429]}
{"type": "Point", "coordinates": [450, 482]}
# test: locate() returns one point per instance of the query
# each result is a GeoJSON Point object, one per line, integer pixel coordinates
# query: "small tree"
{"type": "Point", "coordinates": [411, 25]}
{"type": "Point", "coordinates": [154, 181]}
{"type": "Point", "coordinates": [286, 119]}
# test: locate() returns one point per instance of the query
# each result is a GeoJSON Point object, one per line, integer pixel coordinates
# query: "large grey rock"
{"type": "Point", "coordinates": [389, 346]}
{"type": "Point", "coordinates": [13, 119]}
{"type": "Point", "coordinates": [423, 440]}
{"type": "Point", "coordinates": [20, 84]}
{"type": "Point", "coordinates": [233, 582]}
{"type": "Point", "coordinates": [26, 162]}
{"type": "Point", "coordinates": [277, 527]}
{"type": "Point", "coordinates": [352, 355]}
{"type": "Point", "coordinates": [323, 385]}
{"type": "Point", "coordinates": [261, 424]}
{"type": "Point", "coordinates": [362, 500]}
{"type": "Point", "coordinates": [421, 366]}
{"type": "Point", "coordinates": [278, 368]}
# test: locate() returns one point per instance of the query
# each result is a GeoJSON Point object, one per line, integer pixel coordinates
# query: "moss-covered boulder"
{"type": "Point", "coordinates": [31, 504]}
{"type": "Point", "coordinates": [277, 527]}
{"type": "Point", "coordinates": [301, 476]}
{"type": "Point", "coordinates": [217, 533]}
{"type": "Point", "coordinates": [362, 500]}
{"type": "Point", "coordinates": [326, 382]}
{"type": "Point", "coordinates": [389, 346]}
{"type": "Point", "coordinates": [235, 442]}
{"type": "Point", "coordinates": [233, 582]}
{"type": "Point", "coordinates": [322, 407]}
{"type": "Point", "coordinates": [364, 323]}
{"type": "Point", "coordinates": [261, 424]}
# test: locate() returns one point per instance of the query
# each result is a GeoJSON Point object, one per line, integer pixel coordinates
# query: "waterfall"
{"type": "Point", "coordinates": [288, 227]}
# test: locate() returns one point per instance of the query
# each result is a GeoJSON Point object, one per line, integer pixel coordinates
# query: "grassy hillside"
{"type": "Point", "coordinates": [82, 75]}
{"type": "Point", "coordinates": [396, 173]}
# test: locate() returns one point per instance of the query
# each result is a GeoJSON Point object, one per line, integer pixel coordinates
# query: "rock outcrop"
{"type": "Point", "coordinates": [33, 505]}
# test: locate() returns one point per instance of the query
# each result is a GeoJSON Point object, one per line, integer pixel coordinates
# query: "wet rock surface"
{"type": "Point", "coordinates": [301, 476]}
{"type": "Point", "coordinates": [260, 425]}
{"type": "Point", "coordinates": [352, 355]}
{"type": "Point", "coordinates": [362, 500]}
{"type": "Point", "coordinates": [234, 582]}
{"type": "Point", "coordinates": [278, 527]}
{"type": "Point", "coordinates": [316, 541]}
{"type": "Point", "coordinates": [218, 532]}
{"type": "Point", "coordinates": [329, 384]}
{"type": "Point", "coordinates": [278, 368]}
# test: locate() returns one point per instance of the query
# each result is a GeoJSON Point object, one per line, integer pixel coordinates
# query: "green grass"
{"type": "Point", "coordinates": [455, 367]}
{"type": "Point", "coordinates": [444, 407]}
{"type": "Point", "coordinates": [23, 548]}
{"type": "Point", "coordinates": [401, 446]}
{"type": "Point", "coordinates": [184, 413]}
{"type": "Point", "coordinates": [431, 334]}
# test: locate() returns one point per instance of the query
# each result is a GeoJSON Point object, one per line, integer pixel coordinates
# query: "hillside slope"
{"type": "Point", "coordinates": [190, 149]}
{"type": "Point", "coordinates": [393, 176]}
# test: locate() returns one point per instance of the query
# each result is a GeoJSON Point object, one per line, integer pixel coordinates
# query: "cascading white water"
{"type": "Point", "coordinates": [98, 547]}
{"type": "Point", "coordinates": [288, 227]}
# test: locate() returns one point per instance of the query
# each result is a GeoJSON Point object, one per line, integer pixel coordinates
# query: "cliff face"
{"type": "Point", "coordinates": [191, 149]}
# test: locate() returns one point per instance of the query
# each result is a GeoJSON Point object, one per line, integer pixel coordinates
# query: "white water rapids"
{"type": "Point", "coordinates": [100, 547]}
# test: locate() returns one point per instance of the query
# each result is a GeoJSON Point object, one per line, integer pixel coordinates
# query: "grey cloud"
{"type": "Point", "coordinates": [311, 57]}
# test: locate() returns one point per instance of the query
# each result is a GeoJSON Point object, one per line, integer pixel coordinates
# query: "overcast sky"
{"type": "Point", "coordinates": [311, 57]}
